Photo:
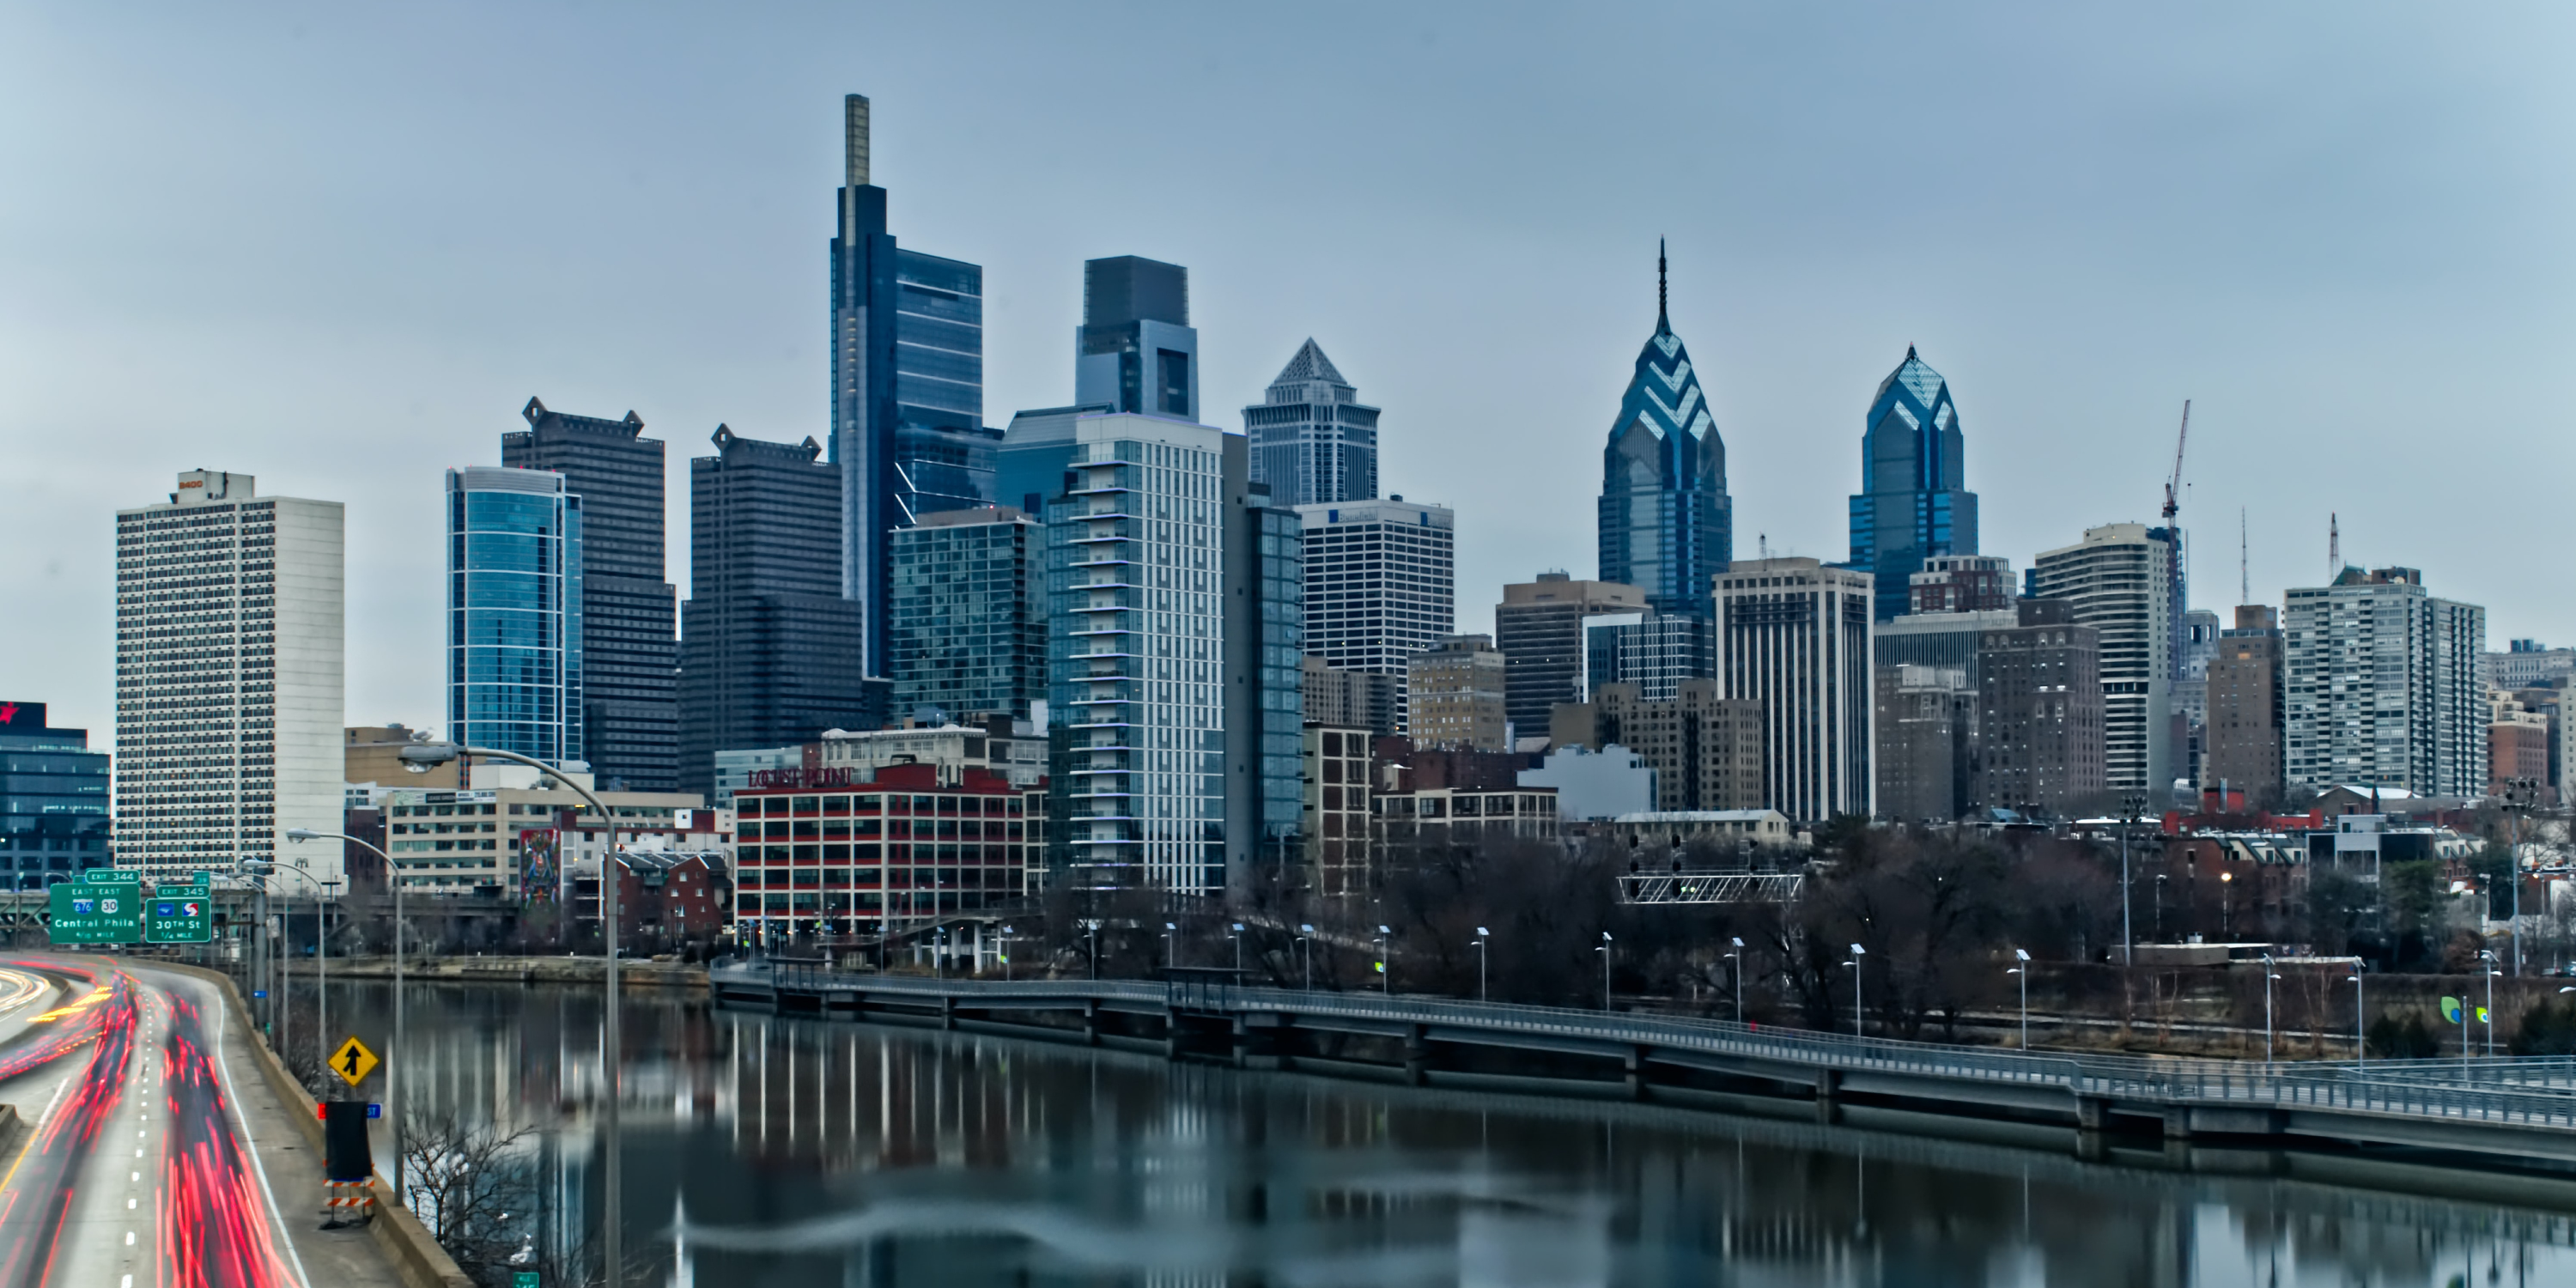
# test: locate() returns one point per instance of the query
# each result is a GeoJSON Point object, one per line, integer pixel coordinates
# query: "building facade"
{"type": "Point", "coordinates": [505, 837]}
{"type": "Point", "coordinates": [1794, 635]}
{"type": "Point", "coordinates": [1312, 440]}
{"type": "Point", "coordinates": [1927, 743]}
{"type": "Point", "coordinates": [1265, 709]}
{"type": "Point", "coordinates": [1381, 584]}
{"type": "Point", "coordinates": [2529, 664]}
{"type": "Point", "coordinates": [968, 631]}
{"type": "Point", "coordinates": [230, 677]}
{"type": "Point", "coordinates": [1336, 825]}
{"type": "Point", "coordinates": [1539, 630]}
{"type": "Point", "coordinates": [53, 800]}
{"type": "Point", "coordinates": [2040, 713]}
{"type": "Point", "coordinates": [1435, 818]}
{"type": "Point", "coordinates": [1666, 522]}
{"type": "Point", "coordinates": [907, 347]}
{"type": "Point", "coordinates": [2244, 729]}
{"type": "Point", "coordinates": [630, 656]}
{"type": "Point", "coordinates": [1914, 503]}
{"type": "Point", "coordinates": [1961, 584]}
{"type": "Point", "coordinates": [1657, 652]}
{"type": "Point", "coordinates": [1135, 350]}
{"type": "Point", "coordinates": [514, 613]}
{"type": "Point", "coordinates": [2381, 686]}
{"type": "Point", "coordinates": [1348, 699]}
{"type": "Point", "coordinates": [1705, 749]}
{"type": "Point", "coordinates": [824, 856]}
{"type": "Point", "coordinates": [766, 656]}
{"type": "Point", "coordinates": [2120, 579]}
{"type": "Point", "coordinates": [1457, 696]}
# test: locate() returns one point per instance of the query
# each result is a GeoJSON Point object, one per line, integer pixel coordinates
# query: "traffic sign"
{"type": "Point", "coordinates": [95, 914]}
{"type": "Point", "coordinates": [523, 1279]}
{"type": "Point", "coordinates": [179, 915]}
{"type": "Point", "coordinates": [112, 876]}
{"type": "Point", "coordinates": [353, 1062]}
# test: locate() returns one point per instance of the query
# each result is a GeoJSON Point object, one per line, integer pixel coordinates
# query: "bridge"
{"type": "Point", "coordinates": [2521, 1108]}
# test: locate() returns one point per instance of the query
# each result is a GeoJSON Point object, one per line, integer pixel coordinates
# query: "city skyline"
{"type": "Point", "coordinates": [2074, 352]}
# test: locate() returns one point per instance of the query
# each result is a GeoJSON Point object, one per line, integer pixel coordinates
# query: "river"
{"type": "Point", "coordinates": [767, 1150]}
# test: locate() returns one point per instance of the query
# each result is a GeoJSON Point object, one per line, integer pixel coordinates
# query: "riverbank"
{"type": "Point", "coordinates": [679, 976]}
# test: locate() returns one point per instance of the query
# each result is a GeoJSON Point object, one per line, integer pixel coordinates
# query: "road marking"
{"type": "Point", "coordinates": [129, 1206]}
{"type": "Point", "coordinates": [129, 1235]}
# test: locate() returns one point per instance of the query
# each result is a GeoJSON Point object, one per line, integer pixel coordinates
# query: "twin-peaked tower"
{"type": "Point", "coordinates": [1667, 525]}
{"type": "Point", "coordinates": [1914, 503]}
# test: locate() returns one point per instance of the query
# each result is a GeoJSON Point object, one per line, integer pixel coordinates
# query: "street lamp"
{"type": "Point", "coordinates": [1385, 976]}
{"type": "Point", "coordinates": [2489, 955]}
{"type": "Point", "coordinates": [2023, 970]}
{"type": "Point", "coordinates": [262, 868]}
{"type": "Point", "coordinates": [1857, 953]}
{"type": "Point", "coordinates": [2268, 977]}
{"type": "Point", "coordinates": [1236, 934]}
{"type": "Point", "coordinates": [1604, 950]}
{"type": "Point", "coordinates": [1306, 951]}
{"type": "Point", "coordinates": [1481, 960]}
{"type": "Point", "coordinates": [1007, 933]}
{"type": "Point", "coordinates": [2226, 906]}
{"type": "Point", "coordinates": [393, 1058]}
{"type": "Point", "coordinates": [2519, 793]}
{"type": "Point", "coordinates": [1737, 956]}
{"type": "Point", "coordinates": [419, 758]}
{"type": "Point", "coordinates": [2130, 805]}
{"type": "Point", "coordinates": [2360, 1041]}
{"type": "Point", "coordinates": [2160, 907]}
{"type": "Point", "coordinates": [1091, 931]}
{"type": "Point", "coordinates": [1171, 950]}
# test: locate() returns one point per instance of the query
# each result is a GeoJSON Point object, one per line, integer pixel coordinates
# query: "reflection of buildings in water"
{"type": "Point", "coordinates": [1520, 1248]}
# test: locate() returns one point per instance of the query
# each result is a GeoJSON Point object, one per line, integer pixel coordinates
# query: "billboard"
{"type": "Point", "coordinates": [540, 865]}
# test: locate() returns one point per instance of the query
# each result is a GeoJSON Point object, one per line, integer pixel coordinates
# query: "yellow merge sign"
{"type": "Point", "coordinates": [353, 1062]}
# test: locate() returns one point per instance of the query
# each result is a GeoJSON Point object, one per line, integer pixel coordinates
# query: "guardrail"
{"type": "Point", "coordinates": [2529, 1092]}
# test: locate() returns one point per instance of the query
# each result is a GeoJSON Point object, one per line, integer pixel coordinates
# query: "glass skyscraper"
{"type": "Point", "coordinates": [514, 657]}
{"type": "Point", "coordinates": [1313, 442]}
{"type": "Point", "coordinates": [1913, 503]}
{"type": "Point", "coordinates": [1667, 524]}
{"type": "Point", "coordinates": [968, 634]}
{"type": "Point", "coordinates": [907, 351]}
{"type": "Point", "coordinates": [53, 800]}
{"type": "Point", "coordinates": [1135, 350]}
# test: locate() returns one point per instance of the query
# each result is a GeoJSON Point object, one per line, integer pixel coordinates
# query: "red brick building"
{"type": "Point", "coordinates": [823, 851]}
{"type": "Point", "coordinates": [663, 897]}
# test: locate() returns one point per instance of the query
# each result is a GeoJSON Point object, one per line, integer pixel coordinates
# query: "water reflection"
{"type": "Point", "coordinates": [774, 1151]}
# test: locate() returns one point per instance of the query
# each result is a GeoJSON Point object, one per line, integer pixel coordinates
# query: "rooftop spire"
{"type": "Point", "coordinates": [1663, 319]}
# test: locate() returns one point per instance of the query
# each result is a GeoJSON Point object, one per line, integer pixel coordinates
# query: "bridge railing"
{"type": "Point", "coordinates": [2535, 1091]}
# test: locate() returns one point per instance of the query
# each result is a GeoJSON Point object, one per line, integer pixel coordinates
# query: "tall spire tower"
{"type": "Point", "coordinates": [1666, 522]}
{"type": "Point", "coordinates": [1914, 501]}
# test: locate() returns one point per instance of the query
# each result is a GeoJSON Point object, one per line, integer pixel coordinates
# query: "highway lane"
{"type": "Point", "coordinates": [137, 1172]}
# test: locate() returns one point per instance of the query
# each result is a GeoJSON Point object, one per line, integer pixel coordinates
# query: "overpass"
{"type": "Point", "coordinates": [2521, 1109]}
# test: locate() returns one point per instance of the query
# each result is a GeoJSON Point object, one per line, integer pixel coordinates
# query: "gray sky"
{"type": "Point", "coordinates": [338, 247]}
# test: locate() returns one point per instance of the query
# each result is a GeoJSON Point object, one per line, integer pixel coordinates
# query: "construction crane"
{"type": "Point", "coordinates": [2173, 487]}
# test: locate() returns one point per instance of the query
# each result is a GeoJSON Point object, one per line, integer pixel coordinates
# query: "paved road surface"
{"type": "Point", "coordinates": [157, 1157]}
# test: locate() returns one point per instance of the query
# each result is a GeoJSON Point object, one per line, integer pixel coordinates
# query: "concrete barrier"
{"type": "Point", "coordinates": [415, 1255]}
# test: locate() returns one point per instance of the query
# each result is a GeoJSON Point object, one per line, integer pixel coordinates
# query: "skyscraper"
{"type": "Point", "coordinates": [968, 633]}
{"type": "Point", "coordinates": [1265, 710]}
{"type": "Point", "coordinates": [1381, 584]}
{"type": "Point", "coordinates": [1135, 351]}
{"type": "Point", "coordinates": [2120, 578]}
{"type": "Point", "coordinates": [766, 659]}
{"type": "Point", "coordinates": [1665, 519]}
{"type": "Point", "coordinates": [53, 804]}
{"type": "Point", "coordinates": [1457, 691]}
{"type": "Point", "coordinates": [1539, 628]}
{"type": "Point", "coordinates": [1312, 440]}
{"type": "Point", "coordinates": [907, 349]}
{"type": "Point", "coordinates": [2245, 708]}
{"type": "Point", "coordinates": [2040, 701]}
{"type": "Point", "coordinates": [630, 660]}
{"type": "Point", "coordinates": [230, 677]}
{"type": "Point", "coordinates": [1794, 635]}
{"type": "Point", "coordinates": [514, 612]}
{"type": "Point", "coordinates": [1914, 501]}
{"type": "Point", "coordinates": [2382, 686]}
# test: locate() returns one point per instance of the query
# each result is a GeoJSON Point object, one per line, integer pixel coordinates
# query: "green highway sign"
{"type": "Point", "coordinates": [91, 913]}
{"type": "Point", "coordinates": [179, 915]}
{"type": "Point", "coordinates": [112, 876]}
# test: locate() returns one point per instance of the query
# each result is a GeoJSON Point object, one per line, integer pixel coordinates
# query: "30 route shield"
{"type": "Point", "coordinates": [88, 913]}
{"type": "Point", "coordinates": [353, 1062]}
{"type": "Point", "coordinates": [179, 915]}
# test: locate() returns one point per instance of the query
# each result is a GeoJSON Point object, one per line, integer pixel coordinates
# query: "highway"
{"type": "Point", "coordinates": [154, 1157]}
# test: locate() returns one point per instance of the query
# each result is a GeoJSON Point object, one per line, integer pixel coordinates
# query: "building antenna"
{"type": "Point", "coordinates": [2244, 575]}
{"type": "Point", "coordinates": [1663, 319]}
{"type": "Point", "coordinates": [2334, 548]}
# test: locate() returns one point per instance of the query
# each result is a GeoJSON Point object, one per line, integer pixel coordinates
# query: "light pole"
{"type": "Point", "coordinates": [1604, 950]}
{"type": "Point", "coordinates": [2519, 793]}
{"type": "Point", "coordinates": [2160, 907]}
{"type": "Point", "coordinates": [1171, 949]}
{"type": "Point", "coordinates": [2268, 977]}
{"type": "Point", "coordinates": [1007, 932]}
{"type": "Point", "coordinates": [2492, 972]}
{"type": "Point", "coordinates": [2227, 906]}
{"type": "Point", "coordinates": [1236, 934]}
{"type": "Point", "coordinates": [1385, 971]}
{"type": "Point", "coordinates": [263, 868]}
{"type": "Point", "coordinates": [1306, 951]}
{"type": "Point", "coordinates": [419, 757]}
{"type": "Point", "coordinates": [2360, 1041]}
{"type": "Point", "coordinates": [1737, 956]}
{"type": "Point", "coordinates": [1091, 930]}
{"type": "Point", "coordinates": [1857, 953]}
{"type": "Point", "coordinates": [2129, 806]}
{"type": "Point", "coordinates": [2023, 970]}
{"type": "Point", "coordinates": [393, 1058]}
{"type": "Point", "coordinates": [1481, 961]}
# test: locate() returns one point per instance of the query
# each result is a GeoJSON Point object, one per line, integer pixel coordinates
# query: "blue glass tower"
{"type": "Point", "coordinates": [1913, 503]}
{"type": "Point", "coordinates": [1667, 525]}
{"type": "Point", "coordinates": [907, 351]}
{"type": "Point", "coordinates": [514, 612]}
{"type": "Point", "coordinates": [53, 800]}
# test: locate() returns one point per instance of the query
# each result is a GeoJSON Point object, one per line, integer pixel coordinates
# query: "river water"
{"type": "Point", "coordinates": [764, 1150]}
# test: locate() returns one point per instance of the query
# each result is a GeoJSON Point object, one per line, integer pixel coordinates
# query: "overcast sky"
{"type": "Point", "coordinates": [339, 246]}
